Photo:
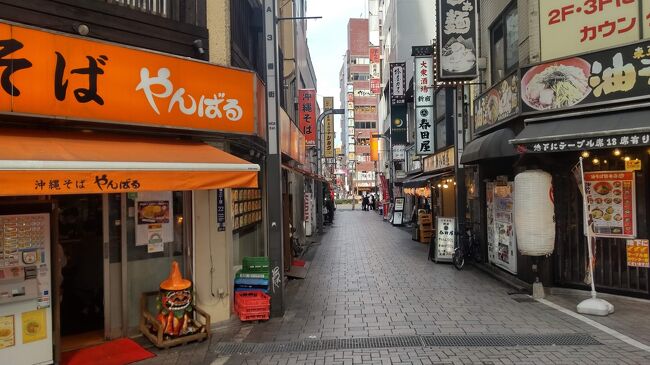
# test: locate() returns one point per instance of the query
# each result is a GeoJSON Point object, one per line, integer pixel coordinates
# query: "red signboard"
{"type": "Point", "coordinates": [375, 86]}
{"type": "Point", "coordinates": [307, 114]}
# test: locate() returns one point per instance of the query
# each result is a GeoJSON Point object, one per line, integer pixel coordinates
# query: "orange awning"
{"type": "Point", "coordinates": [53, 162]}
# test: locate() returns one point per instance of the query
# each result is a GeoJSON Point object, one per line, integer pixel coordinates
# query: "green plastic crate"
{"type": "Point", "coordinates": [252, 275]}
{"type": "Point", "coordinates": [255, 264]}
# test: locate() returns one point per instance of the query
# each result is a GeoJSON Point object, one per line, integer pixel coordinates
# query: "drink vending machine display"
{"type": "Point", "coordinates": [25, 290]}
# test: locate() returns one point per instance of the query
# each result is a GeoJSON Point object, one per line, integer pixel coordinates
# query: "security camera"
{"type": "Point", "coordinates": [198, 44]}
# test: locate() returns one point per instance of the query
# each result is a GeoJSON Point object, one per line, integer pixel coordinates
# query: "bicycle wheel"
{"type": "Point", "coordinates": [458, 259]}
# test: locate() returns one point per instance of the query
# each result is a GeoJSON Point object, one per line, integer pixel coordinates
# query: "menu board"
{"type": "Point", "coordinates": [503, 227]}
{"type": "Point", "coordinates": [246, 207]}
{"type": "Point", "coordinates": [445, 238]}
{"type": "Point", "coordinates": [611, 203]}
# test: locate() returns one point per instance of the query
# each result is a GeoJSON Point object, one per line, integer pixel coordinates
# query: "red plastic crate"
{"type": "Point", "coordinates": [254, 309]}
{"type": "Point", "coordinates": [254, 317]}
{"type": "Point", "coordinates": [247, 299]}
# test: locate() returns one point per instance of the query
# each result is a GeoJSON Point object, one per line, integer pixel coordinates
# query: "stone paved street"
{"type": "Point", "coordinates": [368, 279]}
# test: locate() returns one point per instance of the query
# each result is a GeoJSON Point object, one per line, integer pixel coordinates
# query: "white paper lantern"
{"type": "Point", "coordinates": [534, 213]}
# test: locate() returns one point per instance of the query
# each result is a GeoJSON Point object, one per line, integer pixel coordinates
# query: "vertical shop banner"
{"type": "Point", "coordinates": [611, 203]}
{"type": "Point", "coordinates": [398, 83]}
{"type": "Point", "coordinates": [398, 127]}
{"type": "Point", "coordinates": [375, 70]}
{"type": "Point", "coordinates": [221, 210]}
{"type": "Point", "coordinates": [638, 253]}
{"type": "Point", "coordinates": [328, 104]}
{"type": "Point", "coordinates": [307, 114]}
{"type": "Point", "coordinates": [446, 238]}
{"type": "Point", "coordinates": [457, 39]}
{"type": "Point", "coordinates": [154, 224]}
{"type": "Point", "coordinates": [424, 100]}
{"type": "Point", "coordinates": [349, 112]}
{"type": "Point", "coordinates": [505, 240]}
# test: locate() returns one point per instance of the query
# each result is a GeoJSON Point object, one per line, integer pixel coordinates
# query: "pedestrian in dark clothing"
{"type": "Point", "coordinates": [364, 203]}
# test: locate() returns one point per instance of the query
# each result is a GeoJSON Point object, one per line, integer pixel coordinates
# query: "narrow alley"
{"type": "Point", "coordinates": [369, 281]}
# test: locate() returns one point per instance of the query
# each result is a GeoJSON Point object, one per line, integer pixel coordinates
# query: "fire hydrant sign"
{"type": "Point", "coordinates": [637, 253]}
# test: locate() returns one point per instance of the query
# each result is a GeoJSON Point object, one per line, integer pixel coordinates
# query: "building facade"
{"type": "Point", "coordinates": [520, 126]}
{"type": "Point", "coordinates": [360, 109]}
{"type": "Point", "coordinates": [98, 249]}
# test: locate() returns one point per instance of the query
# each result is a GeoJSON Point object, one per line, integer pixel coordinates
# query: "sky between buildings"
{"type": "Point", "coordinates": [327, 39]}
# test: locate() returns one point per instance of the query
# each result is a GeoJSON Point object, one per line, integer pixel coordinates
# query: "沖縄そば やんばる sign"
{"type": "Point", "coordinates": [54, 75]}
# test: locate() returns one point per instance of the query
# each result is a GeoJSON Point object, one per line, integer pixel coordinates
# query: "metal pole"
{"type": "Point", "coordinates": [273, 162]}
{"type": "Point", "coordinates": [459, 142]}
{"type": "Point", "coordinates": [319, 153]}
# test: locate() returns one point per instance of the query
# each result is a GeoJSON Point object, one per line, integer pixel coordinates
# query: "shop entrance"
{"type": "Point", "coordinates": [79, 250]}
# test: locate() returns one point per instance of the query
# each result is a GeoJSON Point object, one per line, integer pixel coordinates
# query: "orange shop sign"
{"type": "Point", "coordinates": [50, 74]}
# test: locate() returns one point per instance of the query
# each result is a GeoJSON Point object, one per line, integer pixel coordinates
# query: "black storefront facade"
{"type": "Point", "coordinates": [607, 126]}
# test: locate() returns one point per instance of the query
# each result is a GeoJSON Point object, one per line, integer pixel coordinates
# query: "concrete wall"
{"type": "Point", "coordinates": [528, 17]}
{"type": "Point", "coordinates": [212, 256]}
{"type": "Point", "coordinates": [219, 27]}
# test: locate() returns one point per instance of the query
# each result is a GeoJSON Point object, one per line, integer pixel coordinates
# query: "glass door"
{"type": "Point", "coordinates": [156, 232]}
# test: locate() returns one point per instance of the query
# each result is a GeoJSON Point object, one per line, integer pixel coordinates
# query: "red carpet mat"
{"type": "Point", "coordinates": [119, 352]}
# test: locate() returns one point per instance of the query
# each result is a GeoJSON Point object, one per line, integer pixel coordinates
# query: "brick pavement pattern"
{"type": "Point", "coordinates": [369, 279]}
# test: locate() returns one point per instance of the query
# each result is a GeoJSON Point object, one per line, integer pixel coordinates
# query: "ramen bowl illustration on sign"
{"type": "Point", "coordinates": [556, 85]}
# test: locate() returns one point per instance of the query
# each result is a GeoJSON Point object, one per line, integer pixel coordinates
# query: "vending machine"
{"type": "Point", "coordinates": [25, 290]}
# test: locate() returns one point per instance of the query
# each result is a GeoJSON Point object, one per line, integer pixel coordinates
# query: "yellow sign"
{"type": "Point", "coordinates": [637, 253]}
{"type": "Point", "coordinates": [7, 333]}
{"type": "Point", "coordinates": [633, 165]}
{"type": "Point", "coordinates": [34, 326]}
{"type": "Point", "coordinates": [328, 104]}
{"type": "Point", "coordinates": [575, 26]}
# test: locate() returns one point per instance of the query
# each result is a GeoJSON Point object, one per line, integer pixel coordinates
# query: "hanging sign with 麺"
{"type": "Point", "coordinates": [457, 39]}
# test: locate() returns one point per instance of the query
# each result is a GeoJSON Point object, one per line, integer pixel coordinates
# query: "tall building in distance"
{"type": "Point", "coordinates": [360, 104]}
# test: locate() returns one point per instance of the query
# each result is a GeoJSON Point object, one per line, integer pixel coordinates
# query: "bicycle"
{"type": "Point", "coordinates": [468, 246]}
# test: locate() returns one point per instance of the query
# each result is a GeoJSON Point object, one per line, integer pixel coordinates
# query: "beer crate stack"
{"type": "Point", "coordinates": [425, 222]}
{"type": "Point", "coordinates": [251, 287]}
